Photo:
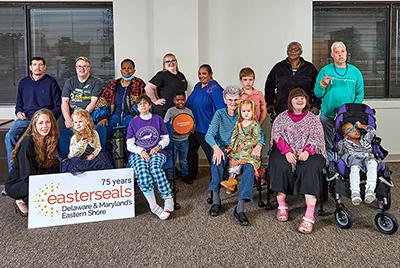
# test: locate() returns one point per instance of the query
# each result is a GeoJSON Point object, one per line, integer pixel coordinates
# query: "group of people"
{"type": "Point", "coordinates": [227, 126]}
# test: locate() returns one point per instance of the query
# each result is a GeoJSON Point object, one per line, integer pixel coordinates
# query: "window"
{"type": "Point", "coordinates": [13, 57]}
{"type": "Point", "coordinates": [59, 34]}
{"type": "Point", "coordinates": [372, 39]}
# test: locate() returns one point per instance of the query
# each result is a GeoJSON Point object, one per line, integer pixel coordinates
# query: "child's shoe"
{"type": "Point", "coordinates": [160, 213]}
{"type": "Point", "coordinates": [169, 205]}
{"type": "Point", "coordinates": [229, 192]}
{"type": "Point", "coordinates": [356, 199]}
{"type": "Point", "coordinates": [230, 184]}
{"type": "Point", "coordinates": [369, 197]}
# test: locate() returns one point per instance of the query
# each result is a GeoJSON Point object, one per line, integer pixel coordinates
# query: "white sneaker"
{"type": "Point", "coordinates": [356, 199]}
{"type": "Point", "coordinates": [160, 213]}
{"type": "Point", "coordinates": [369, 197]}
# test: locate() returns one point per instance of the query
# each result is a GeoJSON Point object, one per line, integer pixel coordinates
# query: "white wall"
{"type": "Point", "coordinates": [227, 34]}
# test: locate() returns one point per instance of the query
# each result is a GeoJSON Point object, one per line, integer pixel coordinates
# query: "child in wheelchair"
{"type": "Point", "coordinates": [355, 150]}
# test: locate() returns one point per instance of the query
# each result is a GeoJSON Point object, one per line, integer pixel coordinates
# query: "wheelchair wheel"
{"type": "Point", "coordinates": [386, 223]}
{"type": "Point", "coordinates": [343, 218]}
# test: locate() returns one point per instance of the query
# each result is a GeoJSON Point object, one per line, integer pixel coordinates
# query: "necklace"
{"type": "Point", "coordinates": [347, 68]}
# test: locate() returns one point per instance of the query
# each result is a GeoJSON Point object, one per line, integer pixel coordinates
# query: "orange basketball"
{"type": "Point", "coordinates": [183, 123]}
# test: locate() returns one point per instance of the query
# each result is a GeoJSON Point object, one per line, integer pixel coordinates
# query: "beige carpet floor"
{"type": "Point", "coordinates": [191, 238]}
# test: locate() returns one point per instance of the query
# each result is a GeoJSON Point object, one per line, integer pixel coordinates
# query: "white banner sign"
{"type": "Point", "coordinates": [59, 199]}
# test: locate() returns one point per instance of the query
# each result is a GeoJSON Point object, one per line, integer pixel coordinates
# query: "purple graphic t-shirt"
{"type": "Point", "coordinates": [147, 132]}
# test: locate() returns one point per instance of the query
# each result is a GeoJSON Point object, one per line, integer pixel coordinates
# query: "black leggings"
{"type": "Point", "coordinates": [18, 190]}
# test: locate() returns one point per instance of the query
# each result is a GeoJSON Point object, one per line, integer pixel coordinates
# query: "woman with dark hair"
{"type": "Point", "coordinates": [204, 101]}
{"type": "Point", "coordinates": [35, 153]}
{"type": "Point", "coordinates": [116, 103]}
{"type": "Point", "coordinates": [297, 158]}
{"type": "Point", "coordinates": [163, 87]}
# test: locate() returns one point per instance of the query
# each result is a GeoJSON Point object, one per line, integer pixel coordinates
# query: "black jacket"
{"type": "Point", "coordinates": [283, 79]}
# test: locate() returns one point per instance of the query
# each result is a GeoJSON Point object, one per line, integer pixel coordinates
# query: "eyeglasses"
{"type": "Point", "coordinates": [170, 61]}
{"type": "Point", "coordinates": [296, 49]}
{"type": "Point", "coordinates": [82, 66]}
{"type": "Point", "coordinates": [232, 100]}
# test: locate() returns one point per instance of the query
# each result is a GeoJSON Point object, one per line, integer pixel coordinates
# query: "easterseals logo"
{"type": "Point", "coordinates": [43, 208]}
{"type": "Point", "coordinates": [50, 201]}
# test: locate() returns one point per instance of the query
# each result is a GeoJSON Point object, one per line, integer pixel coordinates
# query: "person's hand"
{"type": "Point", "coordinates": [160, 102]}
{"type": "Point", "coordinates": [291, 158]}
{"type": "Point", "coordinates": [218, 155]}
{"type": "Point", "coordinates": [155, 150]}
{"type": "Point", "coordinates": [90, 157]}
{"type": "Point", "coordinates": [314, 110]}
{"type": "Point", "coordinates": [303, 156]}
{"type": "Point", "coordinates": [325, 81]}
{"type": "Point", "coordinates": [103, 122]}
{"type": "Point", "coordinates": [21, 115]}
{"type": "Point", "coordinates": [68, 123]}
{"type": "Point", "coordinates": [358, 124]}
{"type": "Point", "coordinates": [83, 142]}
{"type": "Point", "coordinates": [145, 155]}
{"type": "Point", "coordinates": [256, 152]}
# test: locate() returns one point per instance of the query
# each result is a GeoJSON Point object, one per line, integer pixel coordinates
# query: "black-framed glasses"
{"type": "Point", "coordinates": [295, 49]}
{"type": "Point", "coordinates": [170, 61]}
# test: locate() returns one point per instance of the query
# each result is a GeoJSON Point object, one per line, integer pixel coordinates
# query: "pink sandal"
{"type": "Point", "coordinates": [282, 214]}
{"type": "Point", "coordinates": [306, 226]}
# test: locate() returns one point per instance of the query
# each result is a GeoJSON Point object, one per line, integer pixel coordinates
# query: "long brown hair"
{"type": "Point", "coordinates": [45, 152]}
{"type": "Point", "coordinates": [88, 131]}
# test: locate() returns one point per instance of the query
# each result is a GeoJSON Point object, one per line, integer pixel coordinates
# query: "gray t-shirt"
{"type": "Point", "coordinates": [171, 114]}
{"type": "Point", "coordinates": [80, 93]}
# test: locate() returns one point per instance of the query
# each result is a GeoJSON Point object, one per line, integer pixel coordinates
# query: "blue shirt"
{"type": "Point", "coordinates": [120, 98]}
{"type": "Point", "coordinates": [221, 128]}
{"type": "Point", "coordinates": [204, 102]}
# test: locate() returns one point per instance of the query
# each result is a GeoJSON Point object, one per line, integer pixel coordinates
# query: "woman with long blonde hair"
{"type": "Point", "coordinates": [35, 153]}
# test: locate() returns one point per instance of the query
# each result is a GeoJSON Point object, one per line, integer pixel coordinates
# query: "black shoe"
{"type": "Point", "coordinates": [214, 210]}
{"type": "Point", "coordinates": [187, 180]}
{"type": "Point", "coordinates": [241, 217]}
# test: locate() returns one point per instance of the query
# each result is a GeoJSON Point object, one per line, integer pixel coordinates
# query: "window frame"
{"type": "Point", "coordinates": [389, 5]}
{"type": "Point", "coordinates": [28, 6]}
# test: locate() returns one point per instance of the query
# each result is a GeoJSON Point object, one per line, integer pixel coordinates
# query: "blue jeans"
{"type": "Point", "coordinates": [246, 183]}
{"type": "Point", "coordinates": [13, 135]}
{"type": "Point", "coordinates": [181, 149]}
{"type": "Point", "coordinates": [114, 120]}
{"type": "Point", "coordinates": [329, 132]}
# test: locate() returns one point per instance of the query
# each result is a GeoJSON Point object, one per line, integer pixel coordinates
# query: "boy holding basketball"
{"type": "Point", "coordinates": [181, 118]}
